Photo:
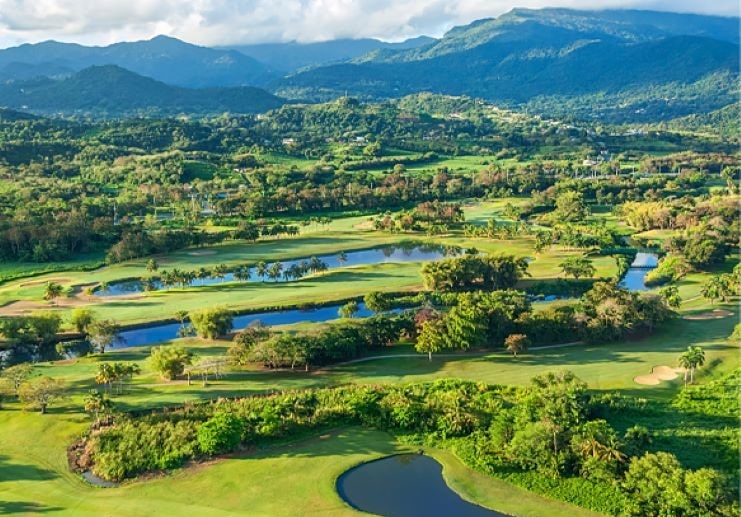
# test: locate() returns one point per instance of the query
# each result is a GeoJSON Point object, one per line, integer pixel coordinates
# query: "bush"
{"type": "Point", "coordinates": [220, 433]}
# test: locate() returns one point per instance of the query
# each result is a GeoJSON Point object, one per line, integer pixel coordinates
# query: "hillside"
{"type": "Point", "coordinates": [162, 58]}
{"type": "Point", "coordinates": [527, 54]}
{"type": "Point", "coordinates": [292, 56]}
{"type": "Point", "coordinates": [111, 90]}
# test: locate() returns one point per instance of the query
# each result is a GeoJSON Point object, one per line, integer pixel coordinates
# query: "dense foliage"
{"type": "Point", "coordinates": [553, 431]}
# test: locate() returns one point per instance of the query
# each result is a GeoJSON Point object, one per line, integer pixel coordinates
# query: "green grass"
{"type": "Point", "coordinates": [267, 482]}
{"type": "Point", "coordinates": [34, 476]}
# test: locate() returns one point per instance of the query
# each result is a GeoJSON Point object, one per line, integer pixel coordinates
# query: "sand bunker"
{"type": "Point", "coordinates": [712, 315]}
{"type": "Point", "coordinates": [658, 374]}
{"type": "Point", "coordinates": [201, 253]}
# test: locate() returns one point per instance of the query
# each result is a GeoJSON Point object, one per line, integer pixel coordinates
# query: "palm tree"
{"type": "Point", "coordinates": [52, 291]}
{"type": "Point", "coordinates": [690, 360]}
{"type": "Point", "coordinates": [685, 362]}
{"type": "Point", "coordinates": [276, 268]}
{"type": "Point", "coordinates": [219, 272]}
{"type": "Point", "coordinates": [261, 270]}
{"type": "Point", "coordinates": [152, 266]}
{"type": "Point", "coordinates": [342, 258]}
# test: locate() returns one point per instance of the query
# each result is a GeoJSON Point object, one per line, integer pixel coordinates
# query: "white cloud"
{"type": "Point", "coordinates": [214, 22]}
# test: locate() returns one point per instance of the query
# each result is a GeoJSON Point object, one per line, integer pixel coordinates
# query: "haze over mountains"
{"type": "Point", "coordinates": [651, 65]}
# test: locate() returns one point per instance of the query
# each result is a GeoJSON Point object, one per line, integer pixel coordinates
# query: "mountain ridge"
{"type": "Point", "coordinates": [111, 90]}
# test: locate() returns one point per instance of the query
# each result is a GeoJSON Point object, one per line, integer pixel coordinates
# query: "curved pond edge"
{"type": "Point", "coordinates": [421, 452]}
{"type": "Point", "coordinates": [96, 481]}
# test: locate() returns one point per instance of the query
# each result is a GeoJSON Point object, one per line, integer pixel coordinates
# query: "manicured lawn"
{"type": "Point", "coordinates": [294, 479]}
{"type": "Point", "coordinates": [337, 284]}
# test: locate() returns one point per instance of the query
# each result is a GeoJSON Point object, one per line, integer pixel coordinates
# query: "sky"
{"type": "Point", "coordinates": [229, 22]}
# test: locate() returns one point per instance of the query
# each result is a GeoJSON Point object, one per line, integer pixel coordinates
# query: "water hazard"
{"type": "Point", "coordinates": [406, 485]}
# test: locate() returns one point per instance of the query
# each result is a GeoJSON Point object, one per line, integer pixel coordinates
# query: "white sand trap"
{"type": "Point", "coordinates": [201, 253]}
{"type": "Point", "coordinates": [658, 374]}
{"type": "Point", "coordinates": [711, 315]}
{"type": "Point", "coordinates": [664, 373]}
{"type": "Point", "coordinates": [647, 380]}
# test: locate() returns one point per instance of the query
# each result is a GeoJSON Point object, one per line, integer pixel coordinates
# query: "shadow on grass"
{"type": "Point", "coordinates": [20, 472]}
{"type": "Point", "coordinates": [25, 507]}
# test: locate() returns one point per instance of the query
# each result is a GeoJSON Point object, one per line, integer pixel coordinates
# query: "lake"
{"type": "Point", "coordinates": [388, 254]}
{"type": "Point", "coordinates": [634, 279]}
{"type": "Point", "coordinates": [405, 485]}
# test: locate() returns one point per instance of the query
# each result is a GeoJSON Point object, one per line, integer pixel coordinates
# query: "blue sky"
{"type": "Point", "coordinates": [220, 22]}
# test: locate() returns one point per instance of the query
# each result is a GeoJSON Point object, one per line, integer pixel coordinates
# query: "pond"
{"type": "Point", "coordinates": [395, 254]}
{"type": "Point", "coordinates": [405, 485]}
{"type": "Point", "coordinates": [165, 332]}
{"type": "Point", "coordinates": [634, 279]}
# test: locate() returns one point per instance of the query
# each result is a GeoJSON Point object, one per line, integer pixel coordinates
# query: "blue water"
{"type": "Point", "coordinates": [159, 333]}
{"type": "Point", "coordinates": [633, 281]}
{"type": "Point", "coordinates": [406, 485]}
{"type": "Point", "coordinates": [412, 253]}
{"type": "Point", "coordinates": [636, 274]}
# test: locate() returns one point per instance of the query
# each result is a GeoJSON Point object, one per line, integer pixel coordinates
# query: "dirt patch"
{"type": "Point", "coordinates": [365, 225]}
{"type": "Point", "coordinates": [711, 315]}
{"type": "Point", "coordinates": [21, 307]}
{"type": "Point", "coordinates": [201, 253]}
{"type": "Point", "coordinates": [43, 282]}
{"type": "Point", "coordinates": [658, 374]}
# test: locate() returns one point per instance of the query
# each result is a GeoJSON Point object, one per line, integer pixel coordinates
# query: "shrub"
{"type": "Point", "coordinates": [220, 433]}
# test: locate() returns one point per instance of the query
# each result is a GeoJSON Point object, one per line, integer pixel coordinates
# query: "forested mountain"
{"type": "Point", "coordinates": [291, 56]}
{"type": "Point", "coordinates": [611, 66]}
{"type": "Point", "coordinates": [163, 58]}
{"type": "Point", "coordinates": [111, 90]}
{"type": "Point", "coordinates": [529, 54]}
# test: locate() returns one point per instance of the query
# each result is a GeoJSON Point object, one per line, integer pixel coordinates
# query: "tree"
{"type": "Point", "coordinates": [654, 482]}
{"type": "Point", "coordinates": [17, 374]}
{"type": "Point", "coordinates": [671, 296]}
{"type": "Point", "coordinates": [377, 302]}
{"type": "Point", "coordinates": [52, 291]}
{"type": "Point", "coordinates": [170, 361]}
{"type": "Point", "coordinates": [152, 266]}
{"type": "Point", "coordinates": [96, 404]}
{"type": "Point", "coordinates": [276, 268]}
{"type": "Point", "coordinates": [240, 352]}
{"type": "Point", "coordinates": [212, 322]}
{"type": "Point", "coordinates": [81, 319]}
{"type": "Point", "coordinates": [104, 333]}
{"type": "Point", "coordinates": [341, 258]}
{"type": "Point", "coordinates": [181, 316]}
{"type": "Point", "coordinates": [690, 360]}
{"type": "Point", "coordinates": [578, 267]}
{"type": "Point", "coordinates": [717, 288]}
{"type": "Point", "coordinates": [89, 292]}
{"type": "Point", "coordinates": [517, 343]}
{"type": "Point", "coordinates": [42, 393]}
{"type": "Point", "coordinates": [261, 270]}
{"type": "Point", "coordinates": [431, 337]}
{"type": "Point", "coordinates": [349, 310]}
{"type": "Point", "coordinates": [570, 207]}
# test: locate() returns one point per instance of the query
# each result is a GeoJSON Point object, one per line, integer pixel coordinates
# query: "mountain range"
{"type": "Point", "coordinates": [292, 56]}
{"type": "Point", "coordinates": [615, 65]}
{"type": "Point", "coordinates": [109, 90]}
{"type": "Point", "coordinates": [162, 58]}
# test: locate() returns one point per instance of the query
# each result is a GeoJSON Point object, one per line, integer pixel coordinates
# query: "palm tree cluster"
{"type": "Point", "coordinates": [115, 374]}
{"type": "Point", "coordinates": [690, 360]}
{"type": "Point", "coordinates": [242, 273]}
